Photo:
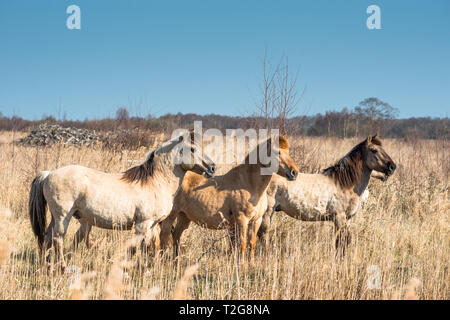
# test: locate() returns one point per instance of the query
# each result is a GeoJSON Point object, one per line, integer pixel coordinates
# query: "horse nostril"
{"type": "Point", "coordinates": [213, 169]}
{"type": "Point", "coordinates": [392, 166]}
{"type": "Point", "coordinates": [293, 173]}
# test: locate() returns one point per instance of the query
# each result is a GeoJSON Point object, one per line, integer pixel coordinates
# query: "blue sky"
{"type": "Point", "coordinates": [206, 56]}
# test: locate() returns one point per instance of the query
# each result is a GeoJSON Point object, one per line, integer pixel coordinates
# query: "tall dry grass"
{"type": "Point", "coordinates": [400, 248]}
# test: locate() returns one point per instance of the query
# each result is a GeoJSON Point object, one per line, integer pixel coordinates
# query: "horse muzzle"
{"type": "Point", "coordinates": [211, 171]}
{"type": "Point", "coordinates": [390, 168]}
{"type": "Point", "coordinates": [291, 175]}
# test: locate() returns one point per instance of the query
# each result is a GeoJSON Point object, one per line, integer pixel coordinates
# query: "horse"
{"type": "Point", "coordinates": [139, 197]}
{"type": "Point", "coordinates": [234, 200]}
{"type": "Point", "coordinates": [334, 195]}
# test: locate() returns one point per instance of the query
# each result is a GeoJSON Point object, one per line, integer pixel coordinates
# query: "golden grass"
{"type": "Point", "coordinates": [402, 235]}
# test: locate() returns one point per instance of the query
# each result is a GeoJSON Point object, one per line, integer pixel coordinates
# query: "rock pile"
{"type": "Point", "coordinates": [47, 135]}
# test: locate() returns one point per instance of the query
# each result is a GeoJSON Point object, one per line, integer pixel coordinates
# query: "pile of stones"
{"type": "Point", "coordinates": [47, 135]}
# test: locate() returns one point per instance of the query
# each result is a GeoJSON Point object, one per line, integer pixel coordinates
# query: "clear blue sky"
{"type": "Point", "coordinates": [206, 56]}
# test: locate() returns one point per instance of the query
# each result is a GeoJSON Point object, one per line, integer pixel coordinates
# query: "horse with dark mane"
{"type": "Point", "coordinates": [333, 195]}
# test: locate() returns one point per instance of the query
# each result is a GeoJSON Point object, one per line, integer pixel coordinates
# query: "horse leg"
{"type": "Point", "coordinates": [48, 242]}
{"type": "Point", "coordinates": [263, 232]}
{"type": "Point", "coordinates": [232, 237]}
{"type": "Point", "coordinates": [59, 231]}
{"type": "Point", "coordinates": [86, 237]}
{"type": "Point", "coordinates": [181, 225]}
{"type": "Point", "coordinates": [82, 234]}
{"type": "Point", "coordinates": [166, 228]}
{"type": "Point", "coordinates": [142, 238]}
{"type": "Point", "coordinates": [242, 224]}
{"type": "Point", "coordinates": [62, 212]}
{"type": "Point", "coordinates": [343, 235]}
{"type": "Point", "coordinates": [253, 232]}
{"type": "Point", "coordinates": [152, 238]}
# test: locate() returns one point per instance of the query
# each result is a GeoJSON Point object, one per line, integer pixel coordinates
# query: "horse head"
{"type": "Point", "coordinates": [376, 158]}
{"type": "Point", "coordinates": [286, 166]}
{"type": "Point", "coordinates": [188, 154]}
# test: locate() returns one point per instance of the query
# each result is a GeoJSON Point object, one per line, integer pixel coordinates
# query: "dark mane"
{"type": "Point", "coordinates": [142, 172]}
{"type": "Point", "coordinates": [348, 170]}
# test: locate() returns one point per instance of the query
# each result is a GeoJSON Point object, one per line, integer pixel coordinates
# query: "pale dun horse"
{"type": "Point", "coordinates": [333, 195]}
{"type": "Point", "coordinates": [233, 200]}
{"type": "Point", "coordinates": [139, 197]}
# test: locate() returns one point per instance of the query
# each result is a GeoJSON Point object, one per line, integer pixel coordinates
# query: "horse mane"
{"type": "Point", "coordinates": [348, 170]}
{"type": "Point", "coordinates": [142, 172]}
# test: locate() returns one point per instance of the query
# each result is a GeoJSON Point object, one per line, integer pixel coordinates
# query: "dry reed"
{"type": "Point", "coordinates": [402, 232]}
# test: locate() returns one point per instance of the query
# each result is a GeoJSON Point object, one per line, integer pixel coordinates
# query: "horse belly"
{"type": "Point", "coordinates": [307, 209]}
{"type": "Point", "coordinates": [312, 214]}
{"type": "Point", "coordinates": [215, 221]}
{"type": "Point", "coordinates": [108, 212]}
{"type": "Point", "coordinates": [209, 217]}
{"type": "Point", "coordinates": [208, 212]}
{"type": "Point", "coordinates": [106, 222]}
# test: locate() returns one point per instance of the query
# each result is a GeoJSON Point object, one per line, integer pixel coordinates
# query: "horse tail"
{"type": "Point", "coordinates": [37, 207]}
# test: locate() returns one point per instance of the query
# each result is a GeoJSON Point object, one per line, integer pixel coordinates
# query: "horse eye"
{"type": "Point", "coordinates": [374, 151]}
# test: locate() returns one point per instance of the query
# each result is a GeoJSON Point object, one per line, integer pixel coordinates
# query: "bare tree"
{"type": "Point", "coordinates": [122, 116]}
{"type": "Point", "coordinates": [267, 104]}
{"type": "Point", "coordinates": [279, 94]}
{"type": "Point", "coordinates": [287, 94]}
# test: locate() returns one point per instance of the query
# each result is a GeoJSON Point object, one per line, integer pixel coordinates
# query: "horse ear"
{"type": "Point", "coordinates": [375, 135]}
{"type": "Point", "coordinates": [369, 138]}
{"type": "Point", "coordinates": [283, 142]}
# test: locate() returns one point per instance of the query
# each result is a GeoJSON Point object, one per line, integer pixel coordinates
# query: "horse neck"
{"type": "Point", "coordinates": [257, 183]}
{"type": "Point", "coordinates": [351, 172]}
{"type": "Point", "coordinates": [167, 173]}
{"type": "Point", "coordinates": [361, 185]}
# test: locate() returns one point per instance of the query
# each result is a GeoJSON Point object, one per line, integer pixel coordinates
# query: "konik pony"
{"type": "Point", "coordinates": [333, 195]}
{"type": "Point", "coordinates": [141, 196]}
{"type": "Point", "coordinates": [234, 200]}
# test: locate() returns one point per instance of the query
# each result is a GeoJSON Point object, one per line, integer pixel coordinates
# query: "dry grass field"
{"type": "Point", "coordinates": [400, 247]}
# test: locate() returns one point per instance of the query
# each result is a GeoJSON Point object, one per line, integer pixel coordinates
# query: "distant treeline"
{"type": "Point", "coordinates": [342, 124]}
